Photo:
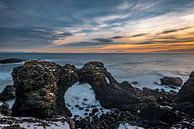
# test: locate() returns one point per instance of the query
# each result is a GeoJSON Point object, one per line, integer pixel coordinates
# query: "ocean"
{"type": "Point", "coordinates": [145, 69]}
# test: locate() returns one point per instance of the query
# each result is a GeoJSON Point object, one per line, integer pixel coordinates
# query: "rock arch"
{"type": "Point", "coordinates": [40, 88]}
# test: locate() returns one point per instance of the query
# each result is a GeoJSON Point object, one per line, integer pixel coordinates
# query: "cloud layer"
{"type": "Point", "coordinates": [97, 25]}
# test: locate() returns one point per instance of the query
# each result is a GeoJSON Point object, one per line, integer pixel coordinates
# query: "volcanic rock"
{"type": "Point", "coordinates": [171, 81]}
{"type": "Point", "coordinates": [185, 97]}
{"type": "Point", "coordinates": [36, 89]}
{"type": "Point", "coordinates": [153, 115]}
{"type": "Point", "coordinates": [107, 90]}
{"type": "Point", "coordinates": [8, 93]}
{"type": "Point", "coordinates": [4, 109]}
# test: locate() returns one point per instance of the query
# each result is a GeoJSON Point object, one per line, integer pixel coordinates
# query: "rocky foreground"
{"type": "Point", "coordinates": [39, 89]}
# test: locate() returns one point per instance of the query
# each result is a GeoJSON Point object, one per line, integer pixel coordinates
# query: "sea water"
{"type": "Point", "coordinates": [145, 69]}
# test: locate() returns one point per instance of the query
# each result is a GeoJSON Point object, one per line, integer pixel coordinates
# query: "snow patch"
{"type": "Point", "coordinates": [80, 100]}
{"type": "Point", "coordinates": [34, 123]}
{"type": "Point", "coordinates": [107, 80]}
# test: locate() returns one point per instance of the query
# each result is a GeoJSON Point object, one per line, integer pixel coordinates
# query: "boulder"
{"type": "Point", "coordinates": [4, 109]}
{"type": "Point", "coordinates": [11, 60]}
{"type": "Point", "coordinates": [40, 88]}
{"type": "Point", "coordinates": [153, 115]}
{"type": "Point", "coordinates": [171, 81]}
{"type": "Point", "coordinates": [8, 93]}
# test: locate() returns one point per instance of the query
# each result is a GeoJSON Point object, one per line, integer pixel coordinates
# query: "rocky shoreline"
{"type": "Point", "coordinates": [39, 89]}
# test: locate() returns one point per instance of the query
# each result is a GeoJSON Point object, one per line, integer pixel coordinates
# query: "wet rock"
{"type": "Point", "coordinates": [4, 109]}
{"type": "Point", "coordinates": [81, 108]}
{"type": "Point", "coordinates": [153, 115]}
{"type": "Point", "coordinates": [161, 97]}
{"type": "Point", "coordinates": [171, 81]}
{"type": "Point", "coordinates": [134, 83]}
{"type": "Point", "coordinates": [11, 60]}
{"type": "Point", "coordinates": [87, 110]}
{"type": "Point", "coordinates": [9, 92]}
{"type": "Point", "coordinates": [185, 97]}
{"type": "Point", "coordinates": [186, 93]}
{"type": "Point", "coordinates": [77, 106]}
{"type": "Point", "coordinates": [85, 99]}
{"type": "Point", "coordinates": [186, 107]}
{"type": "Point", "coordinates": [95, 110]}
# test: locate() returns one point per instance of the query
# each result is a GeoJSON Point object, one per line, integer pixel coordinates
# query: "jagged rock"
{"type": "Point", "coordinates": [4, 109]}
{"type": "Point", "coordinates": [108, 91]}
{"type": "Point", "coordinates": [8, 93]}
{"type": "Point", "coordinates": [68, 77]}
{"type": "Point", "coordinates": [171, 81]}
{"type": "Point", "coordinates": [153, 115]}
{"type": "Point", "coordinates": [11, 60]}
{"type": "Point", "coordinates": [185, 97]}
{"type": "Point", "coordinates": [162, 98]}
{"type": "Point", "coordinates": [36, 89]}
{"type": "Point", "coordinates": [186, 93]}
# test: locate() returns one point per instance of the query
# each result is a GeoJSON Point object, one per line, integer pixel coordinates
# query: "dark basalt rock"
{"type": "Point", "coordinates": [11, 60]}
{"type": "Point", "coordinates": [9, 92]}
{"type": "Point", "coordinates": [153, 115]}
{"type": "Point", "coordinates": [162, 98]}
{"type": "Point", "coordinates": [108, 91]}
{"type": "Point", "coordinates": [4, 109]}
{"type": "Point", "coordinates": [185, 97]}
{"type": "Point", "coordinates": [186, 93]}
{"type": "Point", "coordinates": [36, 89]}
{"type": "Point", "coordinates": [171, 81]}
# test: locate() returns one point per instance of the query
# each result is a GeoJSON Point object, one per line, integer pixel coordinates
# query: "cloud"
{"type": "Point", "coordinates": [35, 24]}
{"type": "Point", "coordinates": [174, 30]}
{"type": "Point", "coordinates": [138, 35]}
{"type": "Point", "coordinates": [86, 44]}
{"type": "Point", "coordinates": [103, 40]}
{"type": "Point", "coordinates": [2, 5]}
{"type": "Point", "coordinates": [118, 37]}
{"type": "Point", "coordinates": [20, 37]}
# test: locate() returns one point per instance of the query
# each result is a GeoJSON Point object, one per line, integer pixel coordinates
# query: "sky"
{"type": "Point", "coordinates": [97, 26]}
